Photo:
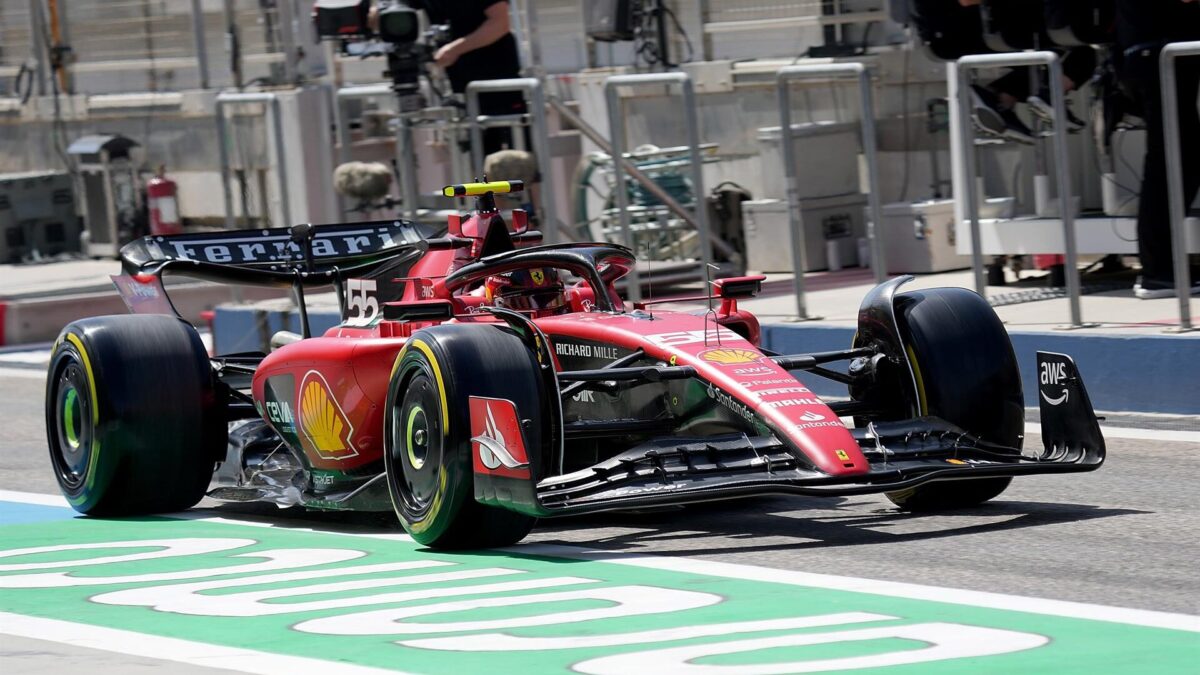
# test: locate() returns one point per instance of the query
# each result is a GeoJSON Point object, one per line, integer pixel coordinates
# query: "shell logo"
{"type": "Point", "coordinates": [729, 357]}
{"type": "Point", "coordinates": [322, 420]}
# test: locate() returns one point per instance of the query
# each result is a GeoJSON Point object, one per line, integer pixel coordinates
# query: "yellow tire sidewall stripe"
{"type": "Point", "coordinates": [95, 450]}
{"type": "Point", "coordinates": [424, 524]}
{"type": "Point", "coordinates": [916, 368]}
{"type": "Point", "coordinates": [437, 374]}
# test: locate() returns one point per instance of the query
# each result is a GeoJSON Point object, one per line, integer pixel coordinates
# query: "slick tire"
{"type": "Point", "coordinates": [133, 416]}
{"type": "Point", "coordinates": [967, 374]}
{"type": "Point", "coordinates": [427, 432]}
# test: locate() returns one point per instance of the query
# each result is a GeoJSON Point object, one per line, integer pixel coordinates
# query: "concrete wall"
{"type": "Point", "coordinates": [1157, 374]}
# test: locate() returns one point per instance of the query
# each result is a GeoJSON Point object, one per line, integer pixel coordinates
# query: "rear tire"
{"type": "Point", "coordinates": [133, 418]}
{"type": "Point", "coordinates": [427, 434]}
{"type": "Point", "coordinates": [966, 374]}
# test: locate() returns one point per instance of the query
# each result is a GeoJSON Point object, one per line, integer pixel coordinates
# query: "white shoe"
{"type": "Point", "coordinates": [1045, 112]}
{"type": "Point", "coordinates": [1155, 290]}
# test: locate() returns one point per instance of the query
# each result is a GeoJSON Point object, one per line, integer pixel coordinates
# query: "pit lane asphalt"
{"type": "Point", "coordinates": [1124, 535]}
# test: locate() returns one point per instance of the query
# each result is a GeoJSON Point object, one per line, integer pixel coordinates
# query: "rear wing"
{"type": "Point", "coordinates": [274, 249]}
{"type": "Point", "coordinates": [265, 257]}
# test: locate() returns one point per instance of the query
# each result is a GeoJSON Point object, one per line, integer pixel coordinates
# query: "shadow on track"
{"type": "Point", "coordinates": [741, 526]}
{"type": "Point", "coordinates": [743, 529]}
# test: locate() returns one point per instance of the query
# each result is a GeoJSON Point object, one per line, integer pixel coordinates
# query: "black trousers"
{"type": "Point", "coordinates": [501, 103]}
{"type": "Point", "coordinates": [1078, 65]}
{"type": "Point", "coordinates": [1140, 76]}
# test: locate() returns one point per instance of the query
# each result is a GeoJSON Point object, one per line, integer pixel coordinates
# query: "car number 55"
{"type": "Point", "coordinates": [361, 304]}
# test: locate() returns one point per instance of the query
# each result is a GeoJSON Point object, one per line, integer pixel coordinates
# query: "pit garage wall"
{"type": "Point", "coordinates": [177, 128]}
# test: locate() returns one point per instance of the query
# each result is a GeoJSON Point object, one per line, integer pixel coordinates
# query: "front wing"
{"type": "Point", "coordinates": [901, 455]}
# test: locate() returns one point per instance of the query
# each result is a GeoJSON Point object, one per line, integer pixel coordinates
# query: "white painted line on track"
{"type": "Point", "coordinates": [1137, 434]}
{"type": "Point", "coordinates": [895, 589]}
{"type": "Point", "coordinates": [1174, 435]}
{"type": "Point", "coordinates": [23, 373]}
{"type": "Point", "coordinates": [172, 649]}
{"type": "Point", "coordinates": [39, 358]}
{"type": "Point", "coordinates": [32, 498]}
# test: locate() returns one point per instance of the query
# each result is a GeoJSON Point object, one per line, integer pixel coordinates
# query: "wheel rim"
{"type": "Point", "coordinates": [416, 435]}
{"type": "Point", "coordinates": [73, 425]}
{"type": "Point", "coordinates": [417, 445]}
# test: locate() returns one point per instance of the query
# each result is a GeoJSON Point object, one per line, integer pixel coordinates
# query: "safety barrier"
{"type": "Point", "coordinates": [616, 122]}
{"type": "Point", "coordinates": [532, 89]}
{"type": "Point", "coordinates": [1050, 60]}
{"type": "Point", "coordinates": [226, 99]}
{"type": "Point", "coordinates": [1174, 154]}
{"type": "Point", "coordinates": [783, 79]}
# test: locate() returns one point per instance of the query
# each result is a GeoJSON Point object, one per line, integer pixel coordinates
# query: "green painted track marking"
{"type": "Point", "coordinates": [339, 616]}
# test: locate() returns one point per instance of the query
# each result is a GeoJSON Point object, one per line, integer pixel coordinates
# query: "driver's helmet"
{"type": "Point", "coordinates": [538, 288]}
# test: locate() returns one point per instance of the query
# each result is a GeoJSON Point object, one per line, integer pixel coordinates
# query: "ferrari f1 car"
{"type": "Point", "coordinates": [479, 381]}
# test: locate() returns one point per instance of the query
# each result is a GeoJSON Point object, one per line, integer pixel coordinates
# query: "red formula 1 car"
{"type": "Point", "coordinates": [480, 380]}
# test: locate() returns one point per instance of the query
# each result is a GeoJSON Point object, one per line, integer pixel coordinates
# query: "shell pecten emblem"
{"type": "Point", "coordinates": [730, 356]}
{"type": "Point", "coordinates": [323, 422]}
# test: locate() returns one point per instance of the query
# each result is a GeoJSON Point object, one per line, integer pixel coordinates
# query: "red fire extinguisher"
{"type": "Point", "coordinates": [164, 207]}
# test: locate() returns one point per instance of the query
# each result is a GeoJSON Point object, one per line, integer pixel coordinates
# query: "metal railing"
{"type": "Point", "coordinates": [1050, 60]}
{"type": "Point", "coordinates": [536, 100]}
{"type": "Point", "coordinates": [111, 38]}
{"type": "Point", "coordinates": [342, 126]}
{"type": "Point", "coordinates": [784, 79]}
{"type": "Point", "coordinates": [234, 98]}
{"type": "Point", "coordinates": [616, 121]}
{"type": "Point", "coordinates": [1174, 157]}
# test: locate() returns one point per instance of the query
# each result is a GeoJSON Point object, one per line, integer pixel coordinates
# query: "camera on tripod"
{"type": "Point", "coordinates": [401, 33]}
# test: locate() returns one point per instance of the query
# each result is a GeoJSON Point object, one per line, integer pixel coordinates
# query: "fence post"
{"type": "Point", "coordinates": [1066, 201]}
{"type": "Point", "coordinates": [1171, 142]}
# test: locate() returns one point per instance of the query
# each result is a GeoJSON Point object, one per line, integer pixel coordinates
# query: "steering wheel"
{"type": "Point", "coordinates": [598, 264]}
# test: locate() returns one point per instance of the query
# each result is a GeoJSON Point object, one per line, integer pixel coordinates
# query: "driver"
{"type": "Point", "coordinates": [536, 289]}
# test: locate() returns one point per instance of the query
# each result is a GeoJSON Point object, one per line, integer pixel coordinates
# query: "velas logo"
{"type": "Point", "coordinates": [496, 439]}
{"type": "Point", "coordinates": [322, 420]}
{"type": "Point", "coordinates": [730, 357]}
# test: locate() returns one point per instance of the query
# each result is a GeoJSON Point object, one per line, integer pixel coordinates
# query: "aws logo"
{"type": "Point", "coordinates": [322, 421]}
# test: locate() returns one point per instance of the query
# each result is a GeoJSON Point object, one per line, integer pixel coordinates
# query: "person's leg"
{"type": "Point", "coordinates": [1078, 66]}
{"type": "Point", "coordinates": [993, 107]}
{"type": "Point", "coordinates": [1188, 78]}
{"type": "Point", "coordinates": [1011, 87]}
{"type": "Point", "coordinates": [505, 103]}
{"type": "Point", "coordinates": [1153, 221]}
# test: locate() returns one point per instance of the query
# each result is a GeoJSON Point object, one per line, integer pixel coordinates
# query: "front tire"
{"type": "Point", "coordinates": [133, 417]}
{"type": "Point", "coordinates": [427, 434]}
{"type": "Point", "coordinates": [966, 373]}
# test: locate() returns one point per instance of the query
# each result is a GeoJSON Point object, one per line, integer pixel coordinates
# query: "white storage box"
{"type": "Point", "coordinates": [919, 238]}
{"type": "Point", "coordinates": [831, 224]}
